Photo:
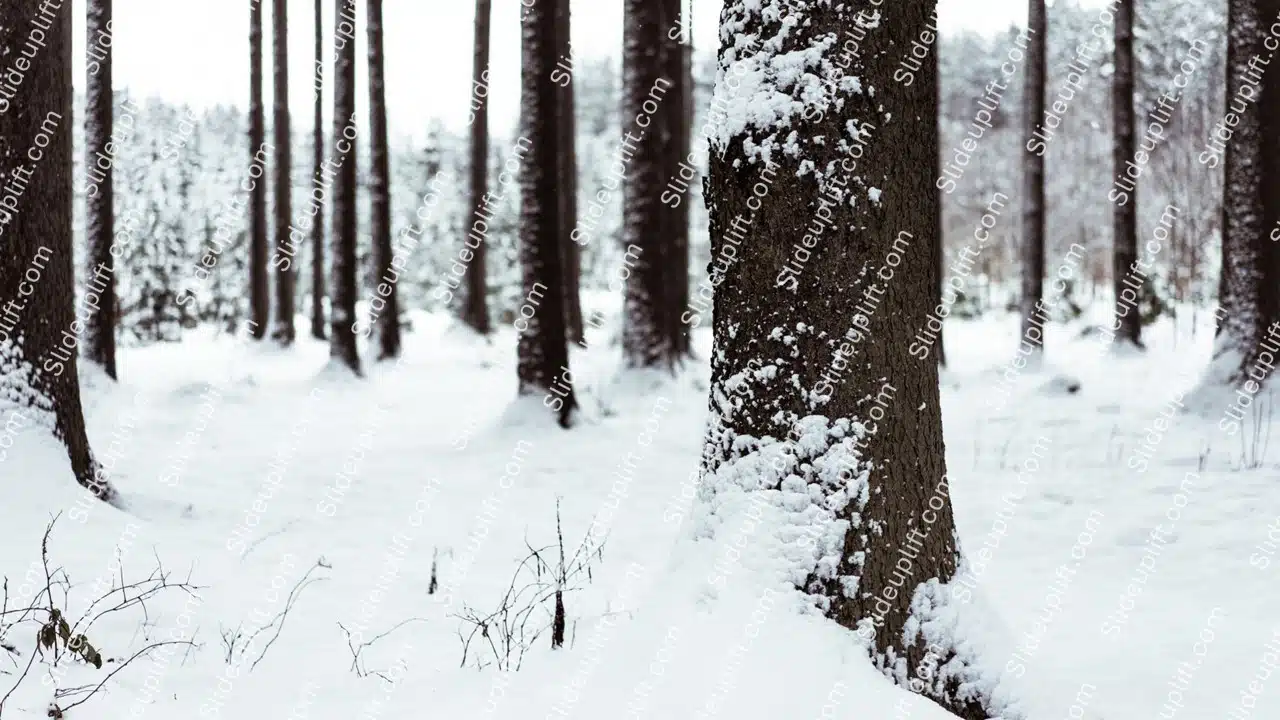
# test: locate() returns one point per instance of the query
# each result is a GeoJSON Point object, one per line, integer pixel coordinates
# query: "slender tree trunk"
{"type": "Point", "coordinates": [317, 228]}
{"type": "Point", "coordinates": [1033, 180]}
{"type": "Point", "coordinates": [646, 305]}
{"type": "Point", "coordinates": [388, 323]}
{"type": "Point", "coordinates": [475, 309]}
{"type": "Point", "coordinates": [259, 301]}
{"type": "Point", "coordinates": [342, 302]}
{"type": "Point", "coordinates": [283, 332]}
{"type": "Point", "coordinates": [678, 122]}
{"type": "Point", "coordinates": [542, 356]}
{"type": "Point", "coordinates": [835, 331]}
{"type": "Point", "coordinates": [100, 327]}
{"type": "Point", "coordinates": [568, 180]}
{"type": "Point", "coordinates": [39, 317]}
{"type": "Point", "coordinates": [1125, 248]}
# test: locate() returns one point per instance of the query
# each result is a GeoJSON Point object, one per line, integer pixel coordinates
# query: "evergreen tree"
{"type": "Point", "coordinates": [1033, 179]}
{"type": "Point", "coordinates": [317, 228]}
{"type": "Point", "coordinates": [259, 301]}
{"type": "Point", "coordinates": [342, 310]}
{"type": "Point", "coordinates": [568, 174]}
{"type": "Point", "coordinates": [1125, 239]}
{"type": "Point", "coordinates": [388, 322]}
{"type": "Point", "coordinates": [283, 332]}
{"type": "Point", "coordinates": [100, 327]}
{"type": "Point", "coordinates": [475, 308]}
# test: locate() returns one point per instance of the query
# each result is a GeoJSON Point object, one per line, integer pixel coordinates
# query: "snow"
{"type": "Point", "coordinates": [280, 468]}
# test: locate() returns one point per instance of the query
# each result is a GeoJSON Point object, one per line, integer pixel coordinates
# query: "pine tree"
{"type": "Point", "coordinates": [677, 125]}
{"type": "Point", "coordinates": [1125, 243]}
{"type": "Point", "coordinates": [342, 308]}
{"type": "Point", "coordinates": [388, 323]}
{"type": "Point", "coordinates": [317, 228]}
{"type": "Point", "coordinates": [542, 356]}
{"type": "Point", "coordinates": [568, 177]}
{"type": "Point", "coordinates": [259, 302]}
{"type": "Point", "coordinates": [814, 390]}
{"type": "Point", "coordinates": [283, 332]}
{"type": "Point", "coordinates": [100, 327]}
{"type": "Point", "coordinates": [1033, 178]}
{"type": "Point", "coordinates": [39, 318]}
{"type": "Point", "coordinates": [475, 308]}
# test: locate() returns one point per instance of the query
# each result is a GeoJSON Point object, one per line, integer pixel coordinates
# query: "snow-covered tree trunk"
{"type": "Point", "coordinates": [39, 317]}
{"type": "Point", "coordinates": [283, 332]}
{"type": "Point", "coordinates": [568, 180]}
{"type": "Point", "coordinates": [388, 323]}
{"type": "Point", "coordinates": [342, 300]}
{"type": "Point", "coordinates": [317, 228]}
{"type": "Point", "coordinates": [1033, 177]}
{"type": "Point", "coordinates": [642, 152]}
{"type": "Point", "coordinates": [100, 326]}
{"type": "Point", "coordinates": [259, 301]}
{"type": "Point", "coordinates": [542, 356]}
{"type": "Point", "coordinates": [1125, 243]}
{"type": "Point", "coordinates": [822, 208]}
{"type": "Point", "coordinates": [475, 308]}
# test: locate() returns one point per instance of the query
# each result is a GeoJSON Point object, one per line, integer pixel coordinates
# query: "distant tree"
{"type": "Point", "coordinates": [677, 110]}
{"type": "Point", "coordinates": [283, 332]}
{"type": "Point", "coordinates": [388, 323]}
{"type": "Point", "coordinates": [259, 301]}
{"type": "Point", "coordinates": [1125, 242]}
{"type": "Point", "coordinates": [317, 228]}
{"type": "Point", "coordinates": [1033, 177]}
{"type": "Point", "coordinates": [818, 407]}
{"type": "Point", "coordinates": [100, 327]}
{"type": "Point", "coordinates": [38, 317]}
{"type": "Point", "coordinates": [542, 356]}
{"type": "Point", "coordinates": [342, 301]}
{"type": "Point", "coordinates": [475, 308]}
{"type": "Point", "coordinates": [568, 178]}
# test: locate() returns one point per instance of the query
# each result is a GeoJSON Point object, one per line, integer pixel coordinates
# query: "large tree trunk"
{"type": "Point", "coordinates": [100, 327]}
{"type": "Point", "coordinates": [833, 330]}
{"type": "Point", "coordinates": [388, 323]}
{"type": "Point", "coordinates": [259, 302]}
{"type": "Point", "coordinates": [1125, 243]}
{"type": "Point", "coordinates": [317, 228]}
{"type": "Point", "coordinates": [644, 90]}
{"type": "Point", "coordinates": [568, 181]}
{"type": "Point", "coordinates": [283, 332]}
{"type": "Point", "coordinates": [342, 301]}
{"type": "Point", "coordinates": [1033, 182]}
{"type": "Point", "coordinates": [542, 356]}
{"type": "Point", "coordinates": [678, 124]}
{"type": "Point", "coordinates": [475, 308]}
{"type": "Point", "coordinates": [39, 318]}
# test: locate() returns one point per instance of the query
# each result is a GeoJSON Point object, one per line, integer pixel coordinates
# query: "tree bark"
{"type": "Point", "coordinates": [283, 332]}
{"type": "Point", "coordinates": [100, 327]}
{"type": "Point", "coordinates": [388, 322]}
{"type": "Point", "coordinates": [568, 180]}
{"type": "Point", "coordinates": [39, 319]}
{"type": "Point", "coordinates": [542, 356]}
{"type": "Point", "coordinates": [475, 309]}
{"type": "Point", "coordinates": [1033, 179]}
{"type": "Point", "coordinates": [937, 222]}
{"type": "Point", "coordinates": [678, 124]}
{"type": "Point", "coordinates": [259, 301]}
{"type": "Point", "coordinates": [317, 228]}
{"type": "Point", "coordinates": [1125, 248]}
{"type": "Point", "coordinates": [834, 330]}
{"type": "Point", "coordinates": [342, 301]}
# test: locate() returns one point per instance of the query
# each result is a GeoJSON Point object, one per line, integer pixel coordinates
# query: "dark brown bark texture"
{"type": "Point", "coordinates": [38, 344]}
{"type": "Point", "coordinates": [876, 261]}
{"type": "Point", "coordinates": [100, 328]}
{"type": "Point", "coordinates": [342, 301]}
{"type": "Point", "coordinates": [568, 181]}
{"type": "Point", "coordinates": [259, 300]}
{"type": "Point", "coordinates": [677, 124]}
{"type": "Point", "coordinates": [283, 332]}
{"type": "Point", "coordinates": [1033, 174]}
{"type": "Point", "coordinates": [388, 323]}
{"type": "Point", "coordinates": [317, 228]}
{"type": "Point", "coordinates": [475, 307]}
{"type": "Point", "coordinates": [542, 356]}
{"type": "Point", "coordinates": [1125, 248]}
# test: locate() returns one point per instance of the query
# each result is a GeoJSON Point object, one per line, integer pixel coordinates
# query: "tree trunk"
{"type": "Point", "coordinates": [100, 327]}
{"type": "Point", "coordinates": [283, 332]}
{"type": "Point", "coordinates": [259, 302]}
{"type": "Point", "coordinates": [475, 310]}
{"type": "Point", "coordinates": [1128, 320]}
{"type": "Point", "coordinates": [317, 228]}
{"type": "Point", "coordinates": [39, 318]}
{"type": "Point", "coordinates": [388, 322]}
{"type": "Point", "coordinates": [645, 307]}
{"type": "Point", "coordinates": [342, 301]}
{"type": "Point", "coordinates": [834, 329]}
{"type": "Point", "coordinates": [937, 221]}
{"type": "Point", "coordinates": [678, 124]}
{"type": "Point", "coordinates": [542, 357]}
{"type": "Point", "coordinates": [568, 180]}
{"type": "Point", "coordinates": [1033, 182]}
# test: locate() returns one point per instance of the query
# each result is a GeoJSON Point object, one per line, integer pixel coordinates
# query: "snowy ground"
{"type": "Point", "coordinates": [290, 466]}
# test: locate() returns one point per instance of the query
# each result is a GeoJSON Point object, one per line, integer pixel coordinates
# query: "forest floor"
{"type": "Point", "coordinates": [429, 464]}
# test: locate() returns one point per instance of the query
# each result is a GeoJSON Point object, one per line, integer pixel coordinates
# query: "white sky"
{"type": "Point", "coordinates": [196, 51]}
